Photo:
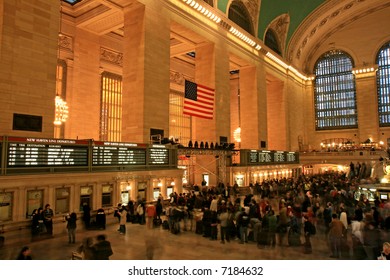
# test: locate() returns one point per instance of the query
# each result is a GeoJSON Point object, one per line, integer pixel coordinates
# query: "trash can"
{"type": "Point", "coordinates": [101, 219]}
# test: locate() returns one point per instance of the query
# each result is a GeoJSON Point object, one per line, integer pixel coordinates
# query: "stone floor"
{"type": "Point", "coordinates": [187, 245]}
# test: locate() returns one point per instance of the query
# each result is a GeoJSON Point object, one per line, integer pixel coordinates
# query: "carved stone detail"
{"type": "Point", "coordinates": [280, 26]}
{"type": "Point", "coordinates": [178, 78]}
{"type": "Point", "coordinates": [111, 56]}
{"type": "Point", "coordinates": [65, 42]}
{"type": "Point", "coordinates": [319, 25]}
{"type": "Point", "coordinates": [253, 9]}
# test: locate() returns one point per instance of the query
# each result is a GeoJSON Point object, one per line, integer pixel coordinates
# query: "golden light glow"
{"type": "Point", "coordinates": [61, 111]}
{"type": "Point", "coordinates": [237, 134]}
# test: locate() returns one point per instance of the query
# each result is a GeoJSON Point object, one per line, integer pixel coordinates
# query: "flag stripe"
{"type": "Point", "coordinates": [198, 100]}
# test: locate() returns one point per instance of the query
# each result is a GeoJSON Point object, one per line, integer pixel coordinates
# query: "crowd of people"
{"type": "Point", "coordinates": [278, 212]}
{"type": "Point", "coordinates": [287, 212]}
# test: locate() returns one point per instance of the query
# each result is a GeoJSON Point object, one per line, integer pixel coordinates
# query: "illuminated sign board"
{"type": "Point", "coordinates": [35, 152]}
{"type": "Point", "coordinates": [262, 157]}
{"type": "Point", "coordinates": [116, 153]}
{"type": "Point", "coordinates": [158, 155]}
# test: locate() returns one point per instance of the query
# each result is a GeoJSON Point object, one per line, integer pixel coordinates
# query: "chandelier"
{"type": "Point", "coordinates": [61, 111]}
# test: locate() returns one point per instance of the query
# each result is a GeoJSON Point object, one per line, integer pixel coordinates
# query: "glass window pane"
{"type": "Point", "coordinates": [335, 92]}
{"type": "Point", "coordinates": [383, 85]}
{"type": "Point", "coordinates": [111, 107]}
{"type": "Point", "coordinates": [179, 124]}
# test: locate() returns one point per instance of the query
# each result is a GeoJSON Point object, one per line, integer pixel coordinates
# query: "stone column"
{"type": "Point", "coordinates": [146, 57]}
{"type": "Point", "coordinates": [366, 98]}
{"type": "Point", "coordinates": [84, 91]}
{"type": "Point", "coordinates": [253, 108]}
{"type": "Point", "coordinates": [204, 129]}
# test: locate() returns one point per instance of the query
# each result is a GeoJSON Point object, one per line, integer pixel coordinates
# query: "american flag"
{"type": "Point", "coordinates": [198, 100]}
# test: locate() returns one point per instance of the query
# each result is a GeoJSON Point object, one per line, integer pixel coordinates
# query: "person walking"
{"type": "Point", "coordinates": [335, 235]}
{"type": "Point", "coordinates": [71, 226]}
{"type": "Point", "coordinates": [102, 248]}
{"type": "Point", "coordinates": [122, 220]}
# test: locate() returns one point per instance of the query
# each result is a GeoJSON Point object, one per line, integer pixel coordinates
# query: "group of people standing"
{"type": "Point", "coordinates": [42, 221]}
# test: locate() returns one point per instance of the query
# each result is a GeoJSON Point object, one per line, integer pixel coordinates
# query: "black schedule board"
{"type": "Point", "coordinates": [36, 152]}
{"type": "Point", "coordinates": [116, 153]}
{"type": "Point", "coordinates": [292, 157]}
{"type": "Point", "coordinates": [158, 155]}
{"type": "Point", "coordinates": [263, 157]}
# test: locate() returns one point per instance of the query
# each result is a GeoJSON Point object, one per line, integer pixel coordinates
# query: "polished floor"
{"type": "Point", "coordinates": [187, 245]}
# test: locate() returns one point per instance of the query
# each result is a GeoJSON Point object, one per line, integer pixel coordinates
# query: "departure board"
{"type": "Point", "coordinates": [279, 156]}
{"type": "Point", "coordinates": [36, 152]}
{"type": "Point", "coordinates": [265, 157]}
{"type": "Point", "coordinates": [253, 156]}
{"type": "Point", "coordinates": [262, 157]}
{"type": "Point", "coordinates": [292, 157]}
{"type": "Point", "coordinates": [158, 155]}
{"type": "Point", "coordinates": [116, 153]}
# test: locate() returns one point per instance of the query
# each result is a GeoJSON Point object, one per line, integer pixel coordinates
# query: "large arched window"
{"type": "Point", "coordinates": [239, 15]}
{"type": "Point", "coordinates": [383, 84]}
{"type": "Point", "coordinates": [335, 92]}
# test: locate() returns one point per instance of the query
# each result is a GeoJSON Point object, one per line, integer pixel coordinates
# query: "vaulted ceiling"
{"type": "Point", "coordinates": [332, 24]}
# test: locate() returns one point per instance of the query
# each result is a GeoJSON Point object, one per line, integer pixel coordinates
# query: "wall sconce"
{"type": "Point", "coordinates": [159, 184]}
{"type": "Point", "coordinates": [172, 183]}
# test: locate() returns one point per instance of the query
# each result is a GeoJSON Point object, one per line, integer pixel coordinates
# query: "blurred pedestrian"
{"type": "Point", "coordinates": [25, 254]}
{"type": "Point", "coordinates": [123, 220]}
{"type": "Point", "coordinates": [102, 248]}
{"type": "Point", "coordinates": [71, 226]}
{"type": "Point", "coordinates": [86, 215]}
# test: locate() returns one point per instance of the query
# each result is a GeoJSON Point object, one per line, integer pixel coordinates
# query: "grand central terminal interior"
{"type": "Point", "coordinates": [107, 101]}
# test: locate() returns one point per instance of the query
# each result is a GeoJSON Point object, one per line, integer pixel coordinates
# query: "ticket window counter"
{"type": "Point", "coordinates": [169, 191]}
{"type": "Point", "coordinates": [156, 193]}
{"type": "Point", "coordinates": [6, 199]}
{"type": "Point", "coordinates": [107, 195]}
{"type": "Point", "coordinates": [62, 204]}
{"type": "Point", "coordinates": [34, 201]}
{"type": "Point", "coordinates": [141, 191]}
{"type": "Point", "coordinates": [85, 196]}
